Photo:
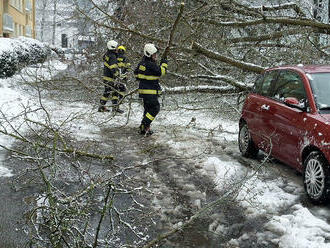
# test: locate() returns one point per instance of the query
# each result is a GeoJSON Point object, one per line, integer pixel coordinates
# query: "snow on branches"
{"type": "Point", "coordinates": [19, 52]}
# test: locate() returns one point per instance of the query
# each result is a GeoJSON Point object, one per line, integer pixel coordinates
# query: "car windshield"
{"type": "Point", "coordinates": [320, 83]}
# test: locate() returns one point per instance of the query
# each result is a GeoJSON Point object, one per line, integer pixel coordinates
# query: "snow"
{"type": "Point", "coordinates": [263, 193]}
{"type": "Point", "coordinates": [299, 229]}
{"type": "Point", "coordinates": [6, 45]}
{"type": "Point", "coordinates": [10, 44]}
{"type": "Point", "coordinates": [10, 100]}
{"type": "Point", "coordinates": [4, 172]}
{"type": "Point", "coordinates": [11, 104]}
{"type": "Point", "coordinates": [260, 197]}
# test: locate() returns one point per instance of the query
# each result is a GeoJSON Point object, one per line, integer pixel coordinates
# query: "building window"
{"type": "Point", "coordinates": [28, 31]}
{"type": "Point", "coordinates": [28, 6]}
{"type": "Point", "coordinates": [18, 4]}
{"type": "Point", "coordinates": [64, 40]}
{"type": "Point", "coordinates": [8, 23]}
{"type": "Point", "coordinates": [21, 30]}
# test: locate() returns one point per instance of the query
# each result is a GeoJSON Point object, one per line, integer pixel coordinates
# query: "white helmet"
{"type": "Point", "coordinates": [112, 44]}
{"type": "Point", "coordinates": [149, 49]}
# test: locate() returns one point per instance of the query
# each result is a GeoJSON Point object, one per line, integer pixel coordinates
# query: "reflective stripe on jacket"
{"type": "Point", "coordinates": [110, 70]}
{"type": "Point", "coordinates": [123, 64]}
{"type": "Point", "coordinates": [148, 73]}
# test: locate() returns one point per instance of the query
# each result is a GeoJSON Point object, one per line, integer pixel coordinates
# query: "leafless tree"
{"type": "Point", "coordinates": [218, 42]}
{"type": "Point", "coordinates": [215, 46]}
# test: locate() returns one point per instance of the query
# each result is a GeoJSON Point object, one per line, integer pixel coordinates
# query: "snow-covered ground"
{"type": "Point", "coordinates": [271, 191]}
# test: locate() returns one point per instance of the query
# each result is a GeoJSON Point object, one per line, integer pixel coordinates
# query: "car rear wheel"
{"type": "Point", "coordinates": [245, 142]}
{"type": "Point", "coordinates": [316, 177]}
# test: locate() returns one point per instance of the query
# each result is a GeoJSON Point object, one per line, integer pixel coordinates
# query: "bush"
{"type": "Point", "coordinates": [20, 52]}
{"type": "Point", "coordinates": [8, 64]}
{"type": "Point", "coordinates": [38, 51]}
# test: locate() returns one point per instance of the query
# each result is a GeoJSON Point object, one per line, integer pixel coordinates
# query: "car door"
{"type": "Point", "coordinates": [257, 106]}
{"type": "Point", "coordinates": [287, 126]}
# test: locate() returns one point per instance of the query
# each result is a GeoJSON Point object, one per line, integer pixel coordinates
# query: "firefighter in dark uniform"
{"type": "Point", "coordinates": [123, 63]}
{"type": "Point", "coordinates": [148, 74]}
{"type": "Point", "coordinates": [123, 67]}
{"type": "Point", "coordinates": [110, 74]}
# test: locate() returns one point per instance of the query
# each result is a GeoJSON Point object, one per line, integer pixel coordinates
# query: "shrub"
{"type": "Point", "coordinates": [38, 51]}
{"type": "Point", "coordinates": [20, 52]}
{"type": "Point", "coordinates": [8, 64]}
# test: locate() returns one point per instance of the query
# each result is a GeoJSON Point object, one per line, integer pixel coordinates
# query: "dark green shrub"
{"type": "Point", "coordinates": [20, 52]}
{"type": "Point", "coordinates": [8, 64]}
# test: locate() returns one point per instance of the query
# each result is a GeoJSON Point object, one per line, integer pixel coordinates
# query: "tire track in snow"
{"type": "Point", "coordinates": [189, 191]}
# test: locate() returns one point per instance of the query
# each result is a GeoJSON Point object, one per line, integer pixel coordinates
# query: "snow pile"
{"type": "Point", "coordinates": [290, 224]}
{"type": "Point", "coordinates": [226, 174]}
{"type": "Point", "coordinates": [299, 229]}
{"type": "Point", "coordinates": [10, 99]}
{"type": "Point", "coordinates": [13, 101]}
{"type": "Point", "coordinates": [20, 52]}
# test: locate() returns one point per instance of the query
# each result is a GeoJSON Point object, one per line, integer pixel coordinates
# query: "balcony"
{"type": "Point", "coordinates": [8, 23]}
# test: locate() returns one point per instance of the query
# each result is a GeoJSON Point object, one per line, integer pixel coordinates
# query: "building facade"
{"type": "Point", "coordinates": [59, 23]}
{"type": "Point", "coordinates": [17, 18]}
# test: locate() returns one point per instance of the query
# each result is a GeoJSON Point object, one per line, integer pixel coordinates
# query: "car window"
{"type": "Point", "coordinates": [258, 84]}
{"type": "Point", "coordinates": [289, 84]}
{"type": "Point", "coordinates": [321, 89]}
{"type": "Point", "coordinates": [263, 86]}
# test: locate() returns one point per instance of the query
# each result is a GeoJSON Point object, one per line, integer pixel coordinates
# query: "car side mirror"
{"type": "Point", "coordinates": [291, 101]}
{"type": "Point", "coordinates": [295, 103]}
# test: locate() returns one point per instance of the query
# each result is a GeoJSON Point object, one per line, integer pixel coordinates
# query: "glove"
{"type": "Point", "coordinates": [122, 87]}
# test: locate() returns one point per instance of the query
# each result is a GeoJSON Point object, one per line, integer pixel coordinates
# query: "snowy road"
{"type": "Point", "coordinates": [191, 161]}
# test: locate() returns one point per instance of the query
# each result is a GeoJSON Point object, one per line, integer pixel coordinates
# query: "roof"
{"type": "Point", "coordinates": [305, 68]}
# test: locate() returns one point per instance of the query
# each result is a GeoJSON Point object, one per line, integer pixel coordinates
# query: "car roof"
{"type": "Point", "coordinates": [304, 68]}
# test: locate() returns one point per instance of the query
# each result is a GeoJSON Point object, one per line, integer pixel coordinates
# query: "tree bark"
{"type": "Point", "coordinates": [212, 55]}
{"type": "Point", "coordinates": [170, 40]}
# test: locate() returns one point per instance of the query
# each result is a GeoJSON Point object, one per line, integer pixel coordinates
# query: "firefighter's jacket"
{"type": "Point", "coordinates": [110, 71]}
{"type": "Point", "coordinates": [148, 73]}
{"type": "Point", "coordinates": [123, 64]}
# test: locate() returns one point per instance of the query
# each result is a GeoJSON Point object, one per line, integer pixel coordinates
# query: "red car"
{"type": "Point", "coordinates": [287, 115]}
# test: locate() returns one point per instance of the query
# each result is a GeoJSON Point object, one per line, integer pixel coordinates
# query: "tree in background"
{"type": "Point", "coordinates": [217, 42]}
{"type": "Point", "coordinates": [209, 43]}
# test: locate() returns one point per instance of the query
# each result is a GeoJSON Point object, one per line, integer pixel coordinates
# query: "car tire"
{"type": "Point", "coordinates": [245, 142]}
{"type": "Point", "coordinates": [317, 178]}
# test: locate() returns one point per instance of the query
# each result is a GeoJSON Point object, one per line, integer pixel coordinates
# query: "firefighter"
{"type": "Point", "coordinates": [148, 73]}
{"type": "Point", "coordinates": [123, 64]}
{"type": "Point", "coordinates": [123, 67]}
{"type": "Point", "coordinates": [110, 74]}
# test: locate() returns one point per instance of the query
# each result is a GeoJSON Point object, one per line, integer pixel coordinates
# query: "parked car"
{"type": "Point", "coordinates": [287, 115]}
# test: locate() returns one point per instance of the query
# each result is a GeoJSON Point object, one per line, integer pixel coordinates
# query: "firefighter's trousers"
{"type": "Point", "coordinates": [151, 109]}
{"type": "Point", "coordinates": [116, 90]}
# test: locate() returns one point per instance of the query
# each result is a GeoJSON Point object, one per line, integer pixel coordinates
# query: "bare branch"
{"type": "Point", "coordinates": [170, 40]}
{"type": "Point", "coordinates": [270, 36]}
{"type": "Point", "coordinates": [319, 27]}
{"type": "Point", "coordinates": [284, 6]}
{"type": "Point", "coordinates": [239, 64]}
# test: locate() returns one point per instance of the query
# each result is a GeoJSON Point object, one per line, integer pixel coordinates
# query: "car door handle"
{"type": "Point", "coordinates": [265, 107]}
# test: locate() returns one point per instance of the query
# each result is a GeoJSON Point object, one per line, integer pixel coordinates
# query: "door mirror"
{"type": "Point", "coordinates": [291, 101]}
{"type": "Point", "coordinates": [295, 103]}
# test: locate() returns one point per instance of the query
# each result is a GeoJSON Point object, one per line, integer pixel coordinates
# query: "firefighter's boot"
{"type": "Point", "coordinates": [142, 129]}
{"type": "Point", "coordinates": [145, 130]}
{"type": "Point", "coordinates": [148, 131]}
{"type": "Point", "coordinates": [102, 108]}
